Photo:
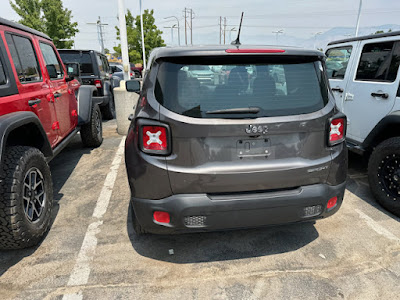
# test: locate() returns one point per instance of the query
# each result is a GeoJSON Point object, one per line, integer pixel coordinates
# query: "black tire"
{"type": "Point", "coordinates": [137, 74]}
{"type": "Point", "coordinates": [92, 132]}
{"type": "Point", "coordinates": [384, 174]}
{"type": "Point", "coordinates": [108, 110]}
{"type": "Point", "coordinates": [24, 218]}
{"type": "Point", "coordinates": [137, 228]}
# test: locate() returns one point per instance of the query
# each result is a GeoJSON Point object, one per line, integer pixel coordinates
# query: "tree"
{"type": "Point", "coordinates": [30, 13]}
{"type": "Point", "coordinates": [152, 36]}
{"type": "Point", "coordinates": [50, 17]}
{"type": "Point", "coordinates": [382, 31]}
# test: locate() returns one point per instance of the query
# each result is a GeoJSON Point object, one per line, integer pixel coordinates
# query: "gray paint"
{"type": "Point", "coordinates": [204, 159]}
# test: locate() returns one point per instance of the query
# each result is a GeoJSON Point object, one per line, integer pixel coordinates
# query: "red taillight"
{"type": "Point", "coordinates": [161, 217]}
{"type": "Point", "coordinates": [98, 83]}
{"type": "Point", "coordinates": [154, 138]}
{"type": "Point", "coordinates": [254, 51]}
{"type": "Point", "coordinates": [337, 131]}
{"type": "Point", "coordinates": [331, 203]}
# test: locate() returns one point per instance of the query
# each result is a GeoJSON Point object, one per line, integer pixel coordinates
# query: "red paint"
{"type": "Point", "coordinates": [55, 126]}
{"type": "Point", "coordinates": [254, 51]}
{"type": "Point", "coordinates": [53, 113]}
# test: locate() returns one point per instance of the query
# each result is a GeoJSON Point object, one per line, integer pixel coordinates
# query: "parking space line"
{"type": "Point", "coordinates": [80, 273]}
{"type": "Point", "coordinates": [376, 227]}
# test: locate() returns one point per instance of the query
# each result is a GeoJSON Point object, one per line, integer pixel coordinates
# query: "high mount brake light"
{"type": "Point", "coordinates": [337, 131]}
{"type": "Point", "coordinates": [254, 51]}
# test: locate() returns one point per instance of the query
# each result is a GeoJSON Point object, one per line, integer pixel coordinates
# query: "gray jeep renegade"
{"type": "Point", "coordinates": [230, 137]}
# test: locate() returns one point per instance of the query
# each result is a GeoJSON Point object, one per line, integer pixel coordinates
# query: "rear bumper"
{"type": "Point", "coordinates": [202, 212]}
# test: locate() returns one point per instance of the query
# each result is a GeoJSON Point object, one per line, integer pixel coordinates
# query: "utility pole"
{"type": "Point", "coordinates": [191, 26]}
{"type": "Point", "coordinates": [224, 29]}
{"type": "Point", "coordinates": [124, 39]}
{"type": "Point", "coordinates": [185, 27]}
{"type": "Point", "coordinates": [220, 30]}
{"type": "Point", "coordinates": [358, 18]}
{"type": "Point", "coordinates": [188, 13]}
{"type": "Point", "coordinates": [100, 33]}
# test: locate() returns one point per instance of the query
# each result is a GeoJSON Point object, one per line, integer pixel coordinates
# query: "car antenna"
{"type": "Point", "coordinates": [237, 41]}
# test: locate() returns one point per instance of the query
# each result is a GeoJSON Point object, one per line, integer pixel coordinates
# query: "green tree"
{"type": "Point", "coordinates": [381, 31]}
{"type": "Point", "coordinates": [30, 13]}
{"type": "Point", "coordinates": [152, 35]}
{"type": "Point", "coordinates": [50, 17]}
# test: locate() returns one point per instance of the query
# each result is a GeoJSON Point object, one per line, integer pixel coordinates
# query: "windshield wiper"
{"type": "Point", "coordinates": [242, 110]}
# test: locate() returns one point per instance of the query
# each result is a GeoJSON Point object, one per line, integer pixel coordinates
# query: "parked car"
{"type": "Point", "coordinates": [234, 155]}
{"type": "Point", "coordinates": [95, 71]}
{"type": "Point", "coordinates": [38, 117]}
{"type": "Point", "coordinates": [137, 71]}
{"type": "Point", "coordinates": [366, 88]}
{"type": "Point", "coordinates": [118, 71]}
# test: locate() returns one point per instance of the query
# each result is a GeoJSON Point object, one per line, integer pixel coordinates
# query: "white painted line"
{"type": "Point", "coordinates": [376, 227]}
{"type": "Point", "coordinates": [80, 273]}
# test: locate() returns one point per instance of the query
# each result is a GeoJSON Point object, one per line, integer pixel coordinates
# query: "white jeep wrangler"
{"type": "Point", "coordinates": [364, 77]}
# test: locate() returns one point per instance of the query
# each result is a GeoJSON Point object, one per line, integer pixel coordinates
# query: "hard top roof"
{"type": "Point", "coordinates": [217, 50]}
{"type": "Point", "coordinates": [365, 37]}
{"type": "Point", "coordinates": [23, 28]}
{"type": "Point", "coordinates": [79, 50]}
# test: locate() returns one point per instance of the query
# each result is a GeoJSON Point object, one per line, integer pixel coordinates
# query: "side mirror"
{"type": "Point", "coordinates": [133, 86]}
{"type": "Point", "coordinates": [51, 69]}
{"type": "Point", "coordinates": [73, 70]}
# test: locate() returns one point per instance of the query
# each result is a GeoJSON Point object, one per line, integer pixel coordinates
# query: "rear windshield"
{"type": "Point", "coordinates": [84, 60]}
{"type": "Point", "coordinates": [264, 87]}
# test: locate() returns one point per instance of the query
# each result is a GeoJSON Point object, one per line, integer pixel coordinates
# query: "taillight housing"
{"type": "Point", "coordinates": [154, 137]}
{"type": "Point", "coordinates": [98, 83]}
{"type": "Point", "coordinates": [337, 129]}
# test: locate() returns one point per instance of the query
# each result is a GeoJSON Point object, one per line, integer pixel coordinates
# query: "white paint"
{"type": "Point", "coordinates": [80, 273]}
{"type": "Point", "coordinates": [376, 227]}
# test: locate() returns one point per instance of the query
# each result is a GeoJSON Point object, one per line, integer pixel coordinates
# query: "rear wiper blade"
{"type": "Point", "coordinates": [242, 110]}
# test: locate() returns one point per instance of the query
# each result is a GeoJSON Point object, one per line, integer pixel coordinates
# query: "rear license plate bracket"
{"type": "Point", "coordinates": [253, 148]}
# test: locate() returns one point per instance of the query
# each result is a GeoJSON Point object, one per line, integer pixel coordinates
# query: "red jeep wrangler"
{"type": "Point", "coordinates": [42, 107]}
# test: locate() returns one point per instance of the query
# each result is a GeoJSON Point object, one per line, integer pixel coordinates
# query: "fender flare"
{"type": "Point", "coordinates": [379, 132]}
{"type": "Point", "coordinates": [85, 103]}
{"type": "Point", "coordinates": [14, 120]}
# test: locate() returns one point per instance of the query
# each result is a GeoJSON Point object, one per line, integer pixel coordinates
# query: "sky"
{"type": "Point", "coordinates": [300, 20]}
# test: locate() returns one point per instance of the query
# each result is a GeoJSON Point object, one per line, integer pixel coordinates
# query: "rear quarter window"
{"type": "Point", "coordinates": [275, 88]}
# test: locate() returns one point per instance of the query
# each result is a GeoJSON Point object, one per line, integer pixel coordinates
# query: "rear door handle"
{"type": "Point", "coordinates": [382, 95]}
{"type": "Point", "coordinates": [57, 95]}
{"type": "Point", "coordinates": [338, 89]}
{"type": "Point", "coordinates": [34, 102]}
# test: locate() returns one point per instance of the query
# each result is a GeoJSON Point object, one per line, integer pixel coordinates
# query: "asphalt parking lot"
{"type": "Point", "coordinates": [91, 251]}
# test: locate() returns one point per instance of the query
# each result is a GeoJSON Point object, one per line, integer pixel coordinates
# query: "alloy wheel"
{"type": "Point", "coordinates": [34, 194]}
